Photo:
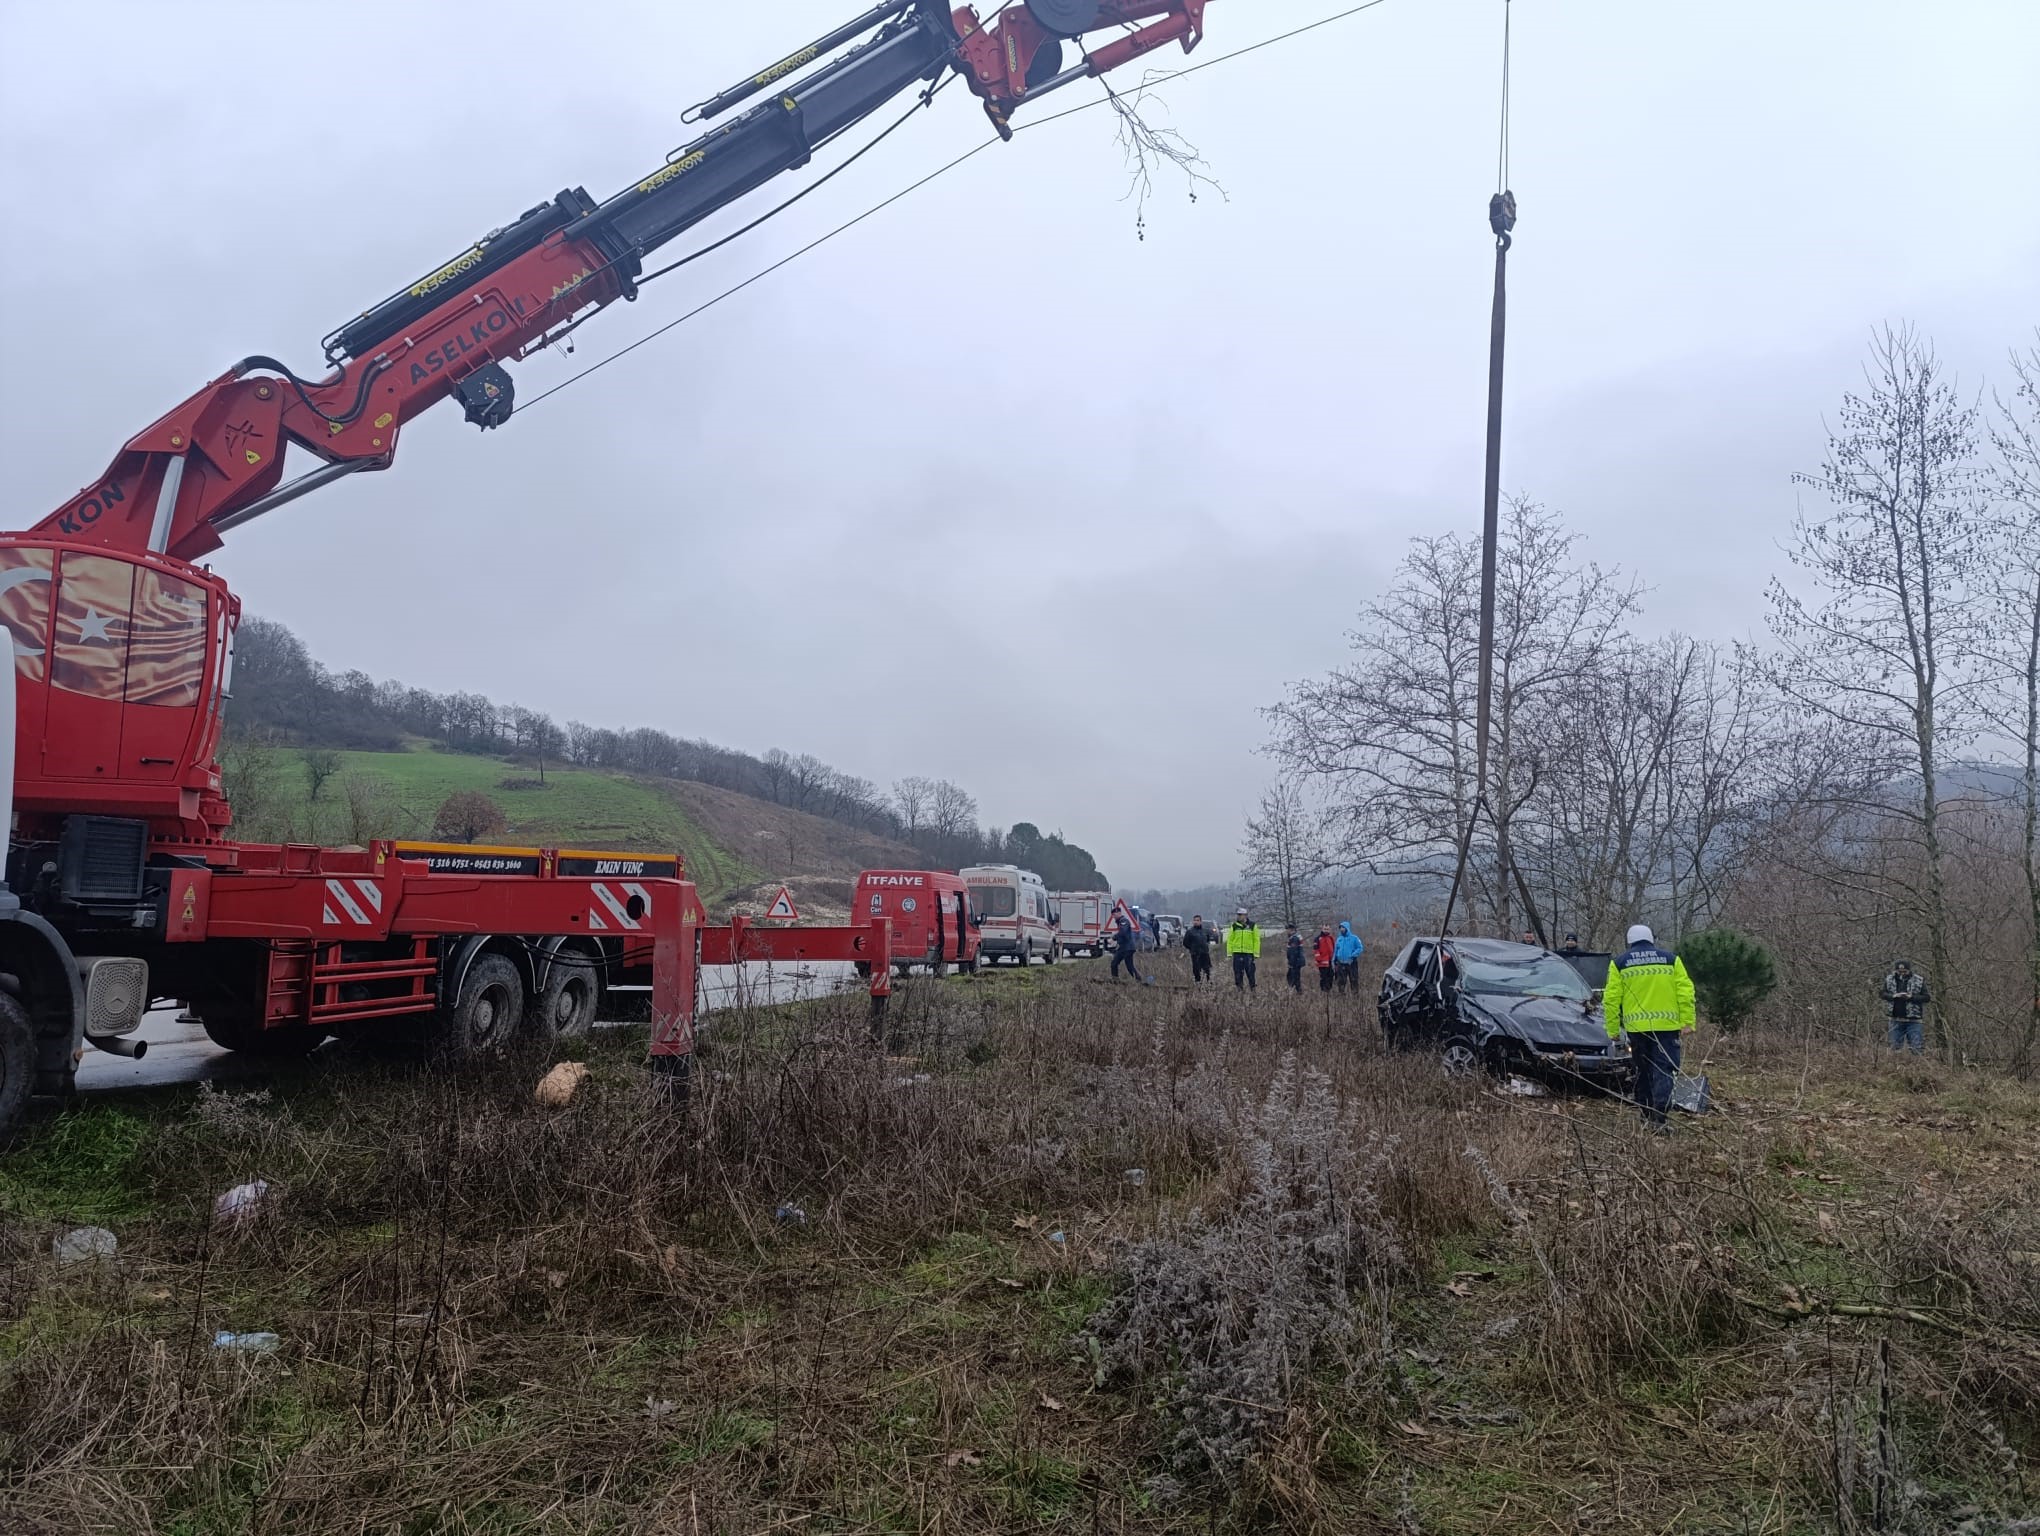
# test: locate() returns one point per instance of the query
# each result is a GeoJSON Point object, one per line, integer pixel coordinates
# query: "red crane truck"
{"type": "Point", "coordinates": [122, 886]}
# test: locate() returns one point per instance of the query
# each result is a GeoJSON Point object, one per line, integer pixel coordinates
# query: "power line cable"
{"type": "Point", "coordinates": [939, 171]}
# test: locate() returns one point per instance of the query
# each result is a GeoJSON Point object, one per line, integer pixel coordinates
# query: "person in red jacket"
{"type": "Point", "coordinates": [1324, 959]}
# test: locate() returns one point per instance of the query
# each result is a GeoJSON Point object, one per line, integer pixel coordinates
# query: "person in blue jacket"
{"type": "Point", "coordinates": [1346, 952]}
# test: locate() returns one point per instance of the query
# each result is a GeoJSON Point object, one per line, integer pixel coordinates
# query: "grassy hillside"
{"type": "Point", "coordinates": [575, 808]}
{"type": "Point", "coordinates": [733, 843]}
{"type": "Point", "coordinates": [1140, 1261]}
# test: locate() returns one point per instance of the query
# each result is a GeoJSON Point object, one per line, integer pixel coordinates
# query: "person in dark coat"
{"type": "Point", "coordinates": [1198, 939]}
{"type": "Point", "coordinates": [1294, 954]}
{"type": "Point", "coordinates": [1124, 942]}
{"type": "Point", "coordinates": [1906, 996]}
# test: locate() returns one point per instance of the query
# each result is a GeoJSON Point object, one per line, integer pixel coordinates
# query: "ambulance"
{"type": "Point", "coordinates": [1016, 918]}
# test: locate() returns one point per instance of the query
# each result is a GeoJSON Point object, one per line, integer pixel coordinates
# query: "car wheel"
{"type": "Point", "coordinates": [1026, 954]}
{"type": "Point", "coordinates": [1054, 953]}
{"type": "Point", "coordinates": [1460, 1056]}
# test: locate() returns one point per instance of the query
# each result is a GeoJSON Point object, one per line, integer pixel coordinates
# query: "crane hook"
{"type": "Point", "coordinates": [1501, 217]}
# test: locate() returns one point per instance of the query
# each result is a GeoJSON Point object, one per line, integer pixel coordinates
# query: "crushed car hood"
{"type": "Point", "coordinates": [1541, 1020]}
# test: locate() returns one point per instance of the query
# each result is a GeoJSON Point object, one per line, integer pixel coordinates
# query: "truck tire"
{"type": "Point", "coordinates": [490, 1014]}
{"type": "Point", "coordinates": [246, 1036]}
{"type": "Point", "coordinates": [17, 1062]}
{"type": "Point", "coordinates": [572, 997]}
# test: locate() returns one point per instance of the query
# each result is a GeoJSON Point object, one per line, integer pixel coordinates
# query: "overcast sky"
{"type": "Point", "coordinates": [991, 488]}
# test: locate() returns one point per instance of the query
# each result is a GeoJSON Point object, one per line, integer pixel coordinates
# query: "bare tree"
{"type": "Point", "coordinates": [371, 806]}
{"type": "Point", "coordinates": [776, 769]}
{"type": "Point", "coordinates": [1285, 852]}
{"type": "Point", "coordinates": [320, 764]}
{"type": "Point", "coordinates": [807, 781]}
{"type": "Point", "coordinates": [250, 764]}
{"type": "Point", "coordinates": [952, 813]}
{"type": "Point", "coordinates": [2015, 434]}
{"type": "Point", "coordinates": [1390, 737]}
{"type": "Point", "coordinates": [911, 799]}
{"type": "Point", "coordinates": [1886, 653]}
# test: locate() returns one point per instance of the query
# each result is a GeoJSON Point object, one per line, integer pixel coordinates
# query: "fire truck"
{"type": "Point", "coordinates": [123, 887]}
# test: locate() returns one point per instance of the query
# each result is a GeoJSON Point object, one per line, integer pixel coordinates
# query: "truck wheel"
{"type": "Point", "coordinates": [245, 1035]}
{"type": "Point", "coordinates": [901, 967]}
{"type": "Point", "coordinates": [490, 1013]}
{"type": "Point", "coordinates": [863, 968]}
{"type": "Point", "coordinates": [17, 1061]}
{"type": "Point", "coordinates": [573, 994]}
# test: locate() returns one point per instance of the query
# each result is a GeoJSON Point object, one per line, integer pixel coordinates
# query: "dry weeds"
{"type": "Point", "coordinates": [1071, 1257]}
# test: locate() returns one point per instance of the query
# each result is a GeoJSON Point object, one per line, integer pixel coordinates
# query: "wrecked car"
{"type": "Point", "coordinates": [1500, 1007]}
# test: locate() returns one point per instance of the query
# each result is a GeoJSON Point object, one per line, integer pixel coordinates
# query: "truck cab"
{"type": "Point", "coordinates": [1016, 918]}
{"type": "Point", "coordinates": [52, 1001]}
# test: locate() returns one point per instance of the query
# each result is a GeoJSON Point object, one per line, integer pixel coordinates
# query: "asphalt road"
{"type": "Point", "coordinates": [181, 1053]}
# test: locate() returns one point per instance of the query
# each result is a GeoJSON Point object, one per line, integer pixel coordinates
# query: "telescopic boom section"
{"type": "Point", "coordinates": [216, 460]}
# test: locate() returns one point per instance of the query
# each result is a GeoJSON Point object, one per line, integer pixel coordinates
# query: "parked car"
{"type": "Point", "coordinates": [1493, 1005]}
{"type": "Point", "coordinates": [1172, 928]}
{"type": "Point", "coordinates": [930, 912]}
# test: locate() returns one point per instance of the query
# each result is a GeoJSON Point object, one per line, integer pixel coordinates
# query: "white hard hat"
{"type": "Point", "coordinates": [1641, 934]}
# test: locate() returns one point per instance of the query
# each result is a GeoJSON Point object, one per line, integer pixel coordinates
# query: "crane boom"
{"type": "Point", "coordinates": [216, 460]}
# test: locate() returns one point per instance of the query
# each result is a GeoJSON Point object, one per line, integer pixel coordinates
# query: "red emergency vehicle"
{"type": "Point", "coordinates": [930, 912]}
{"type": "Point", "coordinates": [119, 883]}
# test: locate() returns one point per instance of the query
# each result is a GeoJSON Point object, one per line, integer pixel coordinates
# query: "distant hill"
{"type": "Point", "coordinates": [735, 847]}
{"type": "Point", "coordinates": [385, 757]}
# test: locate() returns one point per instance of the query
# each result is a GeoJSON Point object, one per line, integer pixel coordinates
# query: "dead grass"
{"type": "Point", "coordinates": [927, 1291]}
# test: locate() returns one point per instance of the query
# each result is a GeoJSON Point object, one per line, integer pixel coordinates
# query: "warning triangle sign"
{"type": "Point", "coordinates": [782, 906]}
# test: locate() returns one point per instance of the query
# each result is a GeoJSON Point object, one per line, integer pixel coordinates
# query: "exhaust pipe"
{"type": "Point", "coordinates": [114, 1045]}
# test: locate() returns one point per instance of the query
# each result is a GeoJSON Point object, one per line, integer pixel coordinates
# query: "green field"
{"type": "Point", "coordinates": [396, 794]}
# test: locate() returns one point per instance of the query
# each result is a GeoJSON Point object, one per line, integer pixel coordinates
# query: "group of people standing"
{"type": "Point", "coordinates": [1337, 956]}
{"type": "Point", "coordinates": [1242, 941]}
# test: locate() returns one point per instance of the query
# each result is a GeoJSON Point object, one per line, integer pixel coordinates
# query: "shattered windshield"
{"type": "Point", "coordinates": [1539, 976]}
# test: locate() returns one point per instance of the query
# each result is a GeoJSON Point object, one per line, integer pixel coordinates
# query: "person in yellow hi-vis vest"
{"type": "Point", "coordinates": [1649, 997]}
{"type": "Point", "coordinates": [1243, 943]}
